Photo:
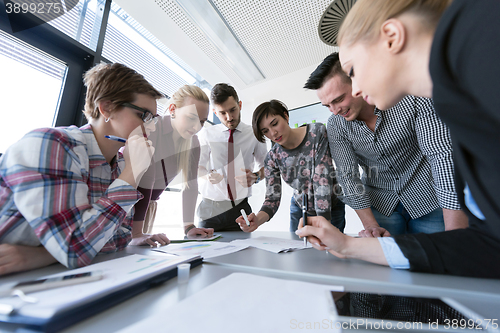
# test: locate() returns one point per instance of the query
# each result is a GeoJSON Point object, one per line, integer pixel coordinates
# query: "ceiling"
{"type": "Point", "coordinates": [281, 36]}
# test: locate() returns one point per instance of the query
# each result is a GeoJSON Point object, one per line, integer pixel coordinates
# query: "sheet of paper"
{"type": "Point", "coordinates": [272, 244]}
{"type": "Point", "coordinates": [118, 274]}
{"type": "Point", "coordinates": [247, 303]}
{"type": "Point", "coordinates": [203, 249]}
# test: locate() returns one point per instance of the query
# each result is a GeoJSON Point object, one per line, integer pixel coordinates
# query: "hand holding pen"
{"type": "Point", "coordinates": [248, 223]}
{"type": "Point", "coordinates": [245, 217]}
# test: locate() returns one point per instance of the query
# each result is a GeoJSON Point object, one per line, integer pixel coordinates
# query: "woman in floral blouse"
{"type": "Point", "coordinates": [301, 157]}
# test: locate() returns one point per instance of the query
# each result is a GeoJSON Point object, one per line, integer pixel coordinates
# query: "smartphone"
{"type": "Point", "coordinates": [55, 282]}
{"type": "Point", "coordinates": [368, 311]}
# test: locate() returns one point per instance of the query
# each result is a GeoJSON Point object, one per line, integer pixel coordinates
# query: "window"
{"type": "Point", "coordinates": [303, 115]}
{"type": "Point", "coordinates": [127, 42]}
{"type": "Point", "coordinates": [31, 87]}
{"type": "Point", "coordinates": [42, 64]}
{"type": "Point", "coordinates": [79, 19]}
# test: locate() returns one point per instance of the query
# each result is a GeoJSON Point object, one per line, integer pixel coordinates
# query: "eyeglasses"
{"type": "Point", "coordinates": [146, 116]}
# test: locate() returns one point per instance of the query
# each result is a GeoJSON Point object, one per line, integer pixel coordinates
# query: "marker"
{"type": "Point", "coordinates": [304, 214]}
{"type": "Point", "coordinates": [245, 217]}
{"type": "Point", "coordinates": [115, 138]}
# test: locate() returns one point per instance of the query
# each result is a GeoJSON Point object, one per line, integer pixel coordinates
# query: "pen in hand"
{"type": "Point", "coordinates": [245, 217]}
{"type": "Point", "coordinates": [304, 214]}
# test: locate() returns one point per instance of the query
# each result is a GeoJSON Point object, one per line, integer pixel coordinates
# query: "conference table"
{"type": "Point", "coordinates": [480, 295]}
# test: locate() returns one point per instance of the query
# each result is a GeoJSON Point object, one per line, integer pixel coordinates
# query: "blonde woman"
{"type": "Point", "coordinates": [177, 151]}
{"type": "Point", "coordinates": [449, 52]}
{"type": "Point", "coordinates": [67, 193]}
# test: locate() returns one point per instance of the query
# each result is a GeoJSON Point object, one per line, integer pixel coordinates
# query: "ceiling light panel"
{"type": "Point", "coordinates": [171, 8]}
{"type": "Point", "coordinates": [205, 15]}
{"type": "Point", "coordinates": [280, 35]}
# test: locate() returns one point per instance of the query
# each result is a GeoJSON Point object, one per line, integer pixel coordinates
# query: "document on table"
{"type": "Point", "coordinates": [272, 244]}
{"type": "Point", "coordinates": [118, 274]}
{"type": "Point", "coordinates": [247, 303]}
{"type": "Point", "coordinates": [203, 249]}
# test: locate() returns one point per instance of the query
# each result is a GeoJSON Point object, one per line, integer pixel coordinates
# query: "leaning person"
{"type": "Point", "coordinates": [67, 193]}
{"type": "Point", "coordinates": [177, 151]}
{"type": "Point", "coordinates": [302, 157]}
{"type": "Point", "coordinates": [445, 51]}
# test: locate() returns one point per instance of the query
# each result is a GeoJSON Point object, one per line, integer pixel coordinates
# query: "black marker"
{"type": "Point", "coordinates": [304, 213]}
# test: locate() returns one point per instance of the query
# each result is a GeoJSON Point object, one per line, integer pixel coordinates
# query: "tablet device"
{"type": "Point", "coordinates": [368, 311]}
{"type": "Point", "coordinates": [196, 238]}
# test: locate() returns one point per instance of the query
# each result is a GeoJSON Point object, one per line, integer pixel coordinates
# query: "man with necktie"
{"type": "Point", "coordinates": [231, 161]}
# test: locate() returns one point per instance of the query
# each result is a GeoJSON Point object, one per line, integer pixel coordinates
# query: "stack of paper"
{"type": "Point", "coordinates": [214, 249]}
{"type": "Point", "coordinates": [203, 249]}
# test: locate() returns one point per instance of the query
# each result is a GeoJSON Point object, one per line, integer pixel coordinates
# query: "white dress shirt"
{"type": "Point", "coordinates": [248, 154]}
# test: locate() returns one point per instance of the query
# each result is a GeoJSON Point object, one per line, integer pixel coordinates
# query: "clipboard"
{"type": "Point", "coordinates": [154, 273]}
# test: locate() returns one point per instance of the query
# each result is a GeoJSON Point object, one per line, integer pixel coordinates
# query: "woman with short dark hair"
{"type": "Point", "coordinates": [301, 156]}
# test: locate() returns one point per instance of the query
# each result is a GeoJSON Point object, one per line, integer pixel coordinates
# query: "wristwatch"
{"type": "Point", "coordinates": [192, 226]}
{"type": "Point", "coordinates": [258, 177]}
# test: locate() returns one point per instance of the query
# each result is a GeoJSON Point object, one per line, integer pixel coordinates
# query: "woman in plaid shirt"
{"type": "Point", "coordinates": [67, 194]}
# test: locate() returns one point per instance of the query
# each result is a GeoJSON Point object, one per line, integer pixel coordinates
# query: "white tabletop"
{"type": "Point", "coordinates": [310, 265]}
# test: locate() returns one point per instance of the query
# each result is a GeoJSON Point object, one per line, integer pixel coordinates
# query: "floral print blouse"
{"type": "Point", "coordinates": [307, 168]}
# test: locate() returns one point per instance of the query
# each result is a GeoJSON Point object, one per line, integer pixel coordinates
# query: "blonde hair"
{"type": "Point", "coordinates": [184, 148]}
{"type": "Point", "coordinates": [363, 22]}
{"type": "Point", "coordinates": [116, 83]}
{"type": "Point", "coordinates": [188, 91]}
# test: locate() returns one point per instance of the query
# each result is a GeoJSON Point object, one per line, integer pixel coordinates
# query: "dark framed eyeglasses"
{"type": "Point", "coordinates": [146, 117]}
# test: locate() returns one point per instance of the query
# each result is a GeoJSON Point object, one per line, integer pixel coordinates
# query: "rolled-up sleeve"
{"type": "Point", "coordinates": [435, 142]}
{"type": "Point", "coordinates": [347, 168]}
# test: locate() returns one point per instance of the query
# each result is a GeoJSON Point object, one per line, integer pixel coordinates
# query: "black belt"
{"type": "Point", "coordinates": [233, 203]}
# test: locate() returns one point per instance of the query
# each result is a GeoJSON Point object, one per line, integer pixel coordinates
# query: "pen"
{"type": "Point", "coordinates": [115, 138]}
{"type": "Point", "coordinates": [304, 214]}
{"type": "Point", "coordinates": [245, 217]}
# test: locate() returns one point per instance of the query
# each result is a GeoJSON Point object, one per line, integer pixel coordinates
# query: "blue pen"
{"type": "Point", "coordinates": [304, 213]}
{"type": "Point", "coordinates": [115, 138]}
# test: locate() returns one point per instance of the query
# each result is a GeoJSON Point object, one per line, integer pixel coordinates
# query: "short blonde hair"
{"type": "Point", "coordinates": [363, 22]}
{"type": "Point", "coordinates": [116, 83]}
